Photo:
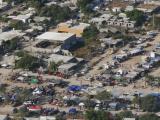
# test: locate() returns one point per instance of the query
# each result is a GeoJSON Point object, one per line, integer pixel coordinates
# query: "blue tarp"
{"type": "Point", "coordinates": [155, 94]}
{"type": "Point", "coordinates": [72, 110]}
{"type": "Point", "coordinates": [74, 88]}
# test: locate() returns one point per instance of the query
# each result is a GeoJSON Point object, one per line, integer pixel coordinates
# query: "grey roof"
{"type": "Point", "coordinates": [67, 66]}
{"type": "Point", "coordinates": [54, 36]}
{"type": "Point", "coordinates": [5, 36]}
{"type": "Point", "coordinates": [57, 58]}
{"type": "Point", "coordinates": [41, 19]}
{"type": "Point", "coordinates": [21, 17]}
{"type": "Point", "coordinates": [112, 29]}
{"type": "Point", "coordinates": [111, 41]}
{"type": "Point", "coordinates": [129, 119]}
{"type": "Point", "coordinates": [132, 74]}
{"type": "Point", "coordinates": [113, 104]}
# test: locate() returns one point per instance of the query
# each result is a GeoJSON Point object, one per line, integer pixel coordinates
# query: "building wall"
{"type": "Point", "coordinates": [69, 43]}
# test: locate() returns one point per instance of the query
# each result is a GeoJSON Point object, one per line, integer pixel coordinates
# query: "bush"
{"type": "Point", "coordinates": [84, 6]}
{"type": "Point", "coordinates": [90, 33]}
{"type": "Point", "coordinates": [137, 16]}
{"type": "Point", "coordinates": [150, 103]}
{"type": "Point", "coordinates": [124, 114]}
{"type": "Point", "coordinates": [20, 53]}
{"type": "Point", "coordinates": [103, 95]}
{"type": "Point", "coordinates": [29, 62]}
{"type": "Point", "coordinates": [148, 116]}
{"type": "Point", "coordinates": [18, 25]}
{"type": "Point", "coordinates": [97, 115]}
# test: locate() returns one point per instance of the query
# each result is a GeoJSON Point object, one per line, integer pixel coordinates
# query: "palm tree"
{"type": "Point", "coordinates": [158, 82]}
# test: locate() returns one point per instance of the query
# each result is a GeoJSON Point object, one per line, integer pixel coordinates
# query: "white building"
{"type": "Point", "coordinates": [66, 39]}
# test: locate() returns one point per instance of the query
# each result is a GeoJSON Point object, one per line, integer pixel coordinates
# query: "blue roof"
{"type": "Point", "coordinates": [74, 88]}
{"type": "Point", "coordinates": [155, 94]}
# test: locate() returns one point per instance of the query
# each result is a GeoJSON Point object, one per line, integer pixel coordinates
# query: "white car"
{"type": "Point", "coordinates": [37, 92]}
{"type": "Point", "coordinates": [27, 103]}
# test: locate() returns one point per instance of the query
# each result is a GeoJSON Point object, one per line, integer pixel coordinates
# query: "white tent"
{"type": "Point", "coordinates": [81, 104]}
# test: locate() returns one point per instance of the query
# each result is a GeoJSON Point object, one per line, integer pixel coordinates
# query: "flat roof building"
{"type": "Point", "coordinates": [5, 36]}
{"type": "Point", "coordinates": [67, 40]}
{"type": "Point", "coordinates": [54, 36]}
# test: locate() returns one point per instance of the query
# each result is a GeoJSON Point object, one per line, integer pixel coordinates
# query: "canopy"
{"type": "Point", "coordinates": [34, 108]}
{"type": "Point", "coordinates": [81, 104]}
{"type": "Point", "coordinates": [34, 81]}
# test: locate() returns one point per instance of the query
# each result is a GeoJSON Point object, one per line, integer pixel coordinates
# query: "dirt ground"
{"type": "Point", "coordinates": [102, 59]}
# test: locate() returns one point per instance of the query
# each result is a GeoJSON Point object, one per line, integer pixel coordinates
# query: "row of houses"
{"type": "Point", "coordinates": [111, 20]}
{"type": "Point", "coordinates": [69, 64]}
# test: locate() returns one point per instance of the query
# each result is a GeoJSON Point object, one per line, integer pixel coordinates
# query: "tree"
{"type": "Point", "coordinates": [10, 45]}
{"type": "Point", "coordinates": [150, 103]}
{"type": "Point", "coordinates": [154, 22]}
{"type": "Point", "coordinates": [84, 5]}
{"type": "Point", "coordinates": [36, 3]}
{"type": "Point", "coordinates": [97, 115]}
{"type": "Point", "coordinates": [23, 111]}
{"type": "Point", "coordinates": [3, 88]}
{"type": "Point", "coordinates": [103, 95]}
{"type": "Point", "coordinates": [149, 78]}
{"type": "Point", "coordinates": [90, 33]}
{"type": "Point", "coordinates": [4, 19]}
{"type": "Point", "coordinates": [53, 67]}
{"type": "Point", "coordinates": [57, 13]}
{"type": "Point", "coordinates": [20, 53]}
{"type": "Point", "coordinates": [124, 114]}
{"type": "Point", "coordinates": [148, 116]}
{"type": "Point", "coordinates": [18, 25]}
{"type": "Point", "coordinates": [137, 16]}
{"type": "Point", "coordinates": [29, 62]}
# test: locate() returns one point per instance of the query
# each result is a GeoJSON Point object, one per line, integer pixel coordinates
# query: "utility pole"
{"type": "Point", "coordinates": [153, 21]}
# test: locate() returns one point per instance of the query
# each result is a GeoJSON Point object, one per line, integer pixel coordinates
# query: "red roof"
{"type": "Point", "coordinates": [35, 107]}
